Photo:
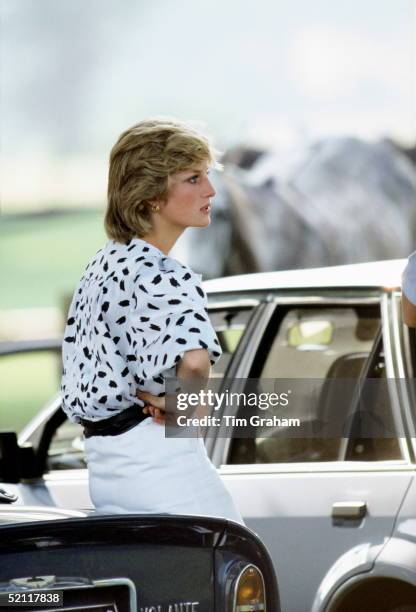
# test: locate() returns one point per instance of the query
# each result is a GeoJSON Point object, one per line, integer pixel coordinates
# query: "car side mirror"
{"type": "Point", "coordinates": [16, 463]}
{"type": "Point", "coordinates": [9, 457]}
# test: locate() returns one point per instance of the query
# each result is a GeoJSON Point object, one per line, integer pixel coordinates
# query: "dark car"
{"type": "Point", "coordinates": [68, 560]}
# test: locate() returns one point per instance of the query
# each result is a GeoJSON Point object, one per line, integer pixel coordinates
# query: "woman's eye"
{"type": "Point", "coordinates": [193, 179]}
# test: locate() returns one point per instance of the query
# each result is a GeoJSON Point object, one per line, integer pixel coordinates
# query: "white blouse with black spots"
{"type": "Point", "coordinates": [134, 314]}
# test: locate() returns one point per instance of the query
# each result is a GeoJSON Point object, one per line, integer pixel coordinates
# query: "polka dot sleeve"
{"type": "Point", "coordinates": [170, 318]}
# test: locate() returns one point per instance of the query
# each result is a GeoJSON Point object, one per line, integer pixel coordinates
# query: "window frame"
{"type": "Point", "coordinates": [237, 304]}
{"type": "Point", "coordinates": [326, 299]}
{"type": "Point", "coordinates": [404, 346]}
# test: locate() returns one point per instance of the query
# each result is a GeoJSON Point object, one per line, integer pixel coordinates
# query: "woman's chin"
{"type": "Point", "coordinates": [201, 222]}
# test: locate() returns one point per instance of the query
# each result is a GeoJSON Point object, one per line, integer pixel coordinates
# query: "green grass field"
{"type": "Point", "coordinates": [27, 382]}
{"type": "Point", "coordinates": [42, 258]}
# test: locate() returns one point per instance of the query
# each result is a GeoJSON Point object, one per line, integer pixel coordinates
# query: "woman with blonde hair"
{"type": "Point", "coordinates": [138, 316]}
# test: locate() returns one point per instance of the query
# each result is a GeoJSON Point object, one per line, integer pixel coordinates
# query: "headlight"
{"type": "Point", "coordinates": [249, 592]}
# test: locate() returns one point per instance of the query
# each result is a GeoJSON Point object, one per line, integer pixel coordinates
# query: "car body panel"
{"type": "Point", "coordinates": [304, 526]}
{"type": "Point", "coordinates": [394, 557]}
{"type": "Point", "coordinates": [398, 556]}
{"type": "Point", "coordinates": [384, 275]}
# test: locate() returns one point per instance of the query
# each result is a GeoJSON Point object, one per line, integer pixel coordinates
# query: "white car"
{"type": "Point", "coordinates": [338, 515]}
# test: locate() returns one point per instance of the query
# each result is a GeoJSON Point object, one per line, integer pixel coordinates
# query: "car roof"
{"type": "Point", "coordinates": [385, 275]}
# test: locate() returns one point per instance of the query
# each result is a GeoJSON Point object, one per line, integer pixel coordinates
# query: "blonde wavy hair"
{"type": "Point", "coordinates": [141, 162]}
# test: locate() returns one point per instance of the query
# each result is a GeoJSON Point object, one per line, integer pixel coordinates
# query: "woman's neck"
{"type": "Point", "coordinates": [162, 241]}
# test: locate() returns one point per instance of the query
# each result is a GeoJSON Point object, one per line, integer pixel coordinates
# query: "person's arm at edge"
{"type": "Point", "coordinates": [409, 311]}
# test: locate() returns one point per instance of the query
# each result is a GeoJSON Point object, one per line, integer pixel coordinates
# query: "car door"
{"type": "Point", "coordinates": [30, 372]}
{"type": "Point", "coordinates": [311, 499]}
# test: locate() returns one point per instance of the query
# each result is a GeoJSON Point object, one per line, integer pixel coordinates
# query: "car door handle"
{"type": "Point", "coordinates": [349, 510]}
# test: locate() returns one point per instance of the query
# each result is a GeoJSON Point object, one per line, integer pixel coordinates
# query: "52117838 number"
{"type": "Point", "coordinates": [39, 598]}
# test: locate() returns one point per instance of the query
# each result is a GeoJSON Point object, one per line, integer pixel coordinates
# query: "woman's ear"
{"type": "Point", "coordinates": [155, 205]}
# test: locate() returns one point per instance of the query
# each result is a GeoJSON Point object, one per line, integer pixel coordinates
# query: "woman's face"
{"type": "Point", "coordinates": [189, 194]}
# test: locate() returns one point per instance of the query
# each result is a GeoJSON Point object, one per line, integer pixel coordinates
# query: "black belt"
{"type": "Point", "coordinates": [114, 425]}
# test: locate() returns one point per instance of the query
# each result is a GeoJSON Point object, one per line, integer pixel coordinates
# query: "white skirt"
{"type": "Point", "coordinates": [140, 471]}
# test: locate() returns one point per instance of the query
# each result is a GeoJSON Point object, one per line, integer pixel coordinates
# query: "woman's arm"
{"type": "Point", "coordinates": [194, 364]}
{"type": "Point", "coordinates": [409, 312]}
{"type": "Point", "coordinates": [409, 292]}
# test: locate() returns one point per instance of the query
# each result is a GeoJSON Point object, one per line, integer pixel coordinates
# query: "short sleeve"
{"type": "Point", "coordinates": [409, 279]}
{"type": "Point", "coordinates": [170, 318]}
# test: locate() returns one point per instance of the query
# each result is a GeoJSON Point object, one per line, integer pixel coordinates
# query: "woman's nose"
{"type": "Point", "coordinates": [210, 189]}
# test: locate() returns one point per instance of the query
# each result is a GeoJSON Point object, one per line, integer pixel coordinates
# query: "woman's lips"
{"type": "Point", "coordinates": [206, 209]}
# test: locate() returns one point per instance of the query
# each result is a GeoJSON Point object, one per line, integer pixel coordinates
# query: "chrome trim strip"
{"type": "Point", "coordinates": [125, 582]}
{"type": "Point", "coordinates": [66, 475]}
{"type": "Point", "coordinates": [387, 340]}
{"type": "Point", "coordinates": [247, 359]}
{"type": "Point", "coordinates": [39, 512]}
{"type": "Point", "coordinates": [318, 299]}
{"type": "Point", "coordinates": [398, 343]}
{"type": "Point", "coordinates": [397, 335]}
{"type": "Point", "coordinates": [389, 354]}
{"type": "Point", "coordinates": [314, 467]}
{"type": "Point", "coordinates": [235, 304]}
{"type": "Point", "coordinates": [106, 582]}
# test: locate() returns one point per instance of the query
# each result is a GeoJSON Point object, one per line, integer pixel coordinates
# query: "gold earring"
{"type": "Point", "coordinates": [155, 208]}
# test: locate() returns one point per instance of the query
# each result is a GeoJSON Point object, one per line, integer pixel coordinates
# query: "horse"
{"type": "Point", "coordinates": [337, 201]}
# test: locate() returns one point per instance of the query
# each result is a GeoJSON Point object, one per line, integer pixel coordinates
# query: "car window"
{"type": "Point", "coordinates": [66, 450]}
{"type": "Point", "coordinates": [27, 381]}
{"type": "Point", "coordinates": [229, 324]}
{"type": "Point", "coordinates": [361, 447]}
{"type": "Point", "coordinates": [309, 342]}
{"type": "Point", "coordinates": [322, 343]}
